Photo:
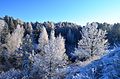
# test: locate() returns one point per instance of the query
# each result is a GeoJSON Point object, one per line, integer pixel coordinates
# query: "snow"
{"type": "Point", "coordinates": [108, 67]}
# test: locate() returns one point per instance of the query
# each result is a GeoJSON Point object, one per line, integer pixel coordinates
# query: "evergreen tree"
{"type": "Point", "coordinates": [52, 35]}
{"type": "Point", "coordinates": [15, 39]}
{"type": "Point", "coordinates": [93, 42]}
{"type": "Point", "coordinates": [27, 44]}
{"type": "Point", "coordinates": [43, 38]}
{"type": "Point", "coordinates": [54, 53]}
{"type": "Point", "coordinates": [53, 58]}
{"type": "Point", "coordinates": [26, 51]}
{"type": "Point", "coordinates": [2, 24]}
{"type": "Point", "coordinates": [3, 31]}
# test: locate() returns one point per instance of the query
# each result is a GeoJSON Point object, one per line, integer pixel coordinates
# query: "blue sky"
{"type": "Point", "coordinates": [76, 11]}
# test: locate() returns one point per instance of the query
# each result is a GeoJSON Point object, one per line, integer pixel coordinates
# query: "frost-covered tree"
{"type": "Point", "coordinates": [3, 52]}
{"type": "Point", "coordinates": [2, 24]}
{"type": "Point", "coordinates": [3, 31]}
{"type": "Point", "coordinates": [43, 38]}
{"type": "Point", "coordinates": [4, 34]}
{"type": "Point", "coordinates": [15, 39]}
{"type": "Point", "coordinates": [11, 74]}
{"type": "Point", "coordinates": [53, 58]}
{"type": "Point", "coordinates": [93, 42]}
{"type": "Point", "coordinates": [52, 35]}
{"type": "Point", "coordinates": [7, 49]}
{"type": "Point", "coordinates": [27, 44]}
{"type": "Point", "coordinates": [28, 28]}
{"type": "Point", "coordinates": [50, 24]}
{"type": "Point", "coordinates": [26, 49]}
{"type": "Point", "coordinates": [54, 53]}
{"type": "Point", "coordinates": [26, 64]}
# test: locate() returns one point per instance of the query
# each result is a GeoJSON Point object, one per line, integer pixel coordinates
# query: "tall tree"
{"type": "Point", "coordinates": [93, 42]}
{"type": "Point", "coordinates": [26, 50]}
{"type": "Point", "coordinates": [43, 38]}
{"type": "Point", "coordinates": [15, 39]}
{"type": "Point", "coordinates": [53, 58]}
{"type": "Point", "coordinates": [3, 31]}
{"type": "Point", "coordinates": [27, 44]}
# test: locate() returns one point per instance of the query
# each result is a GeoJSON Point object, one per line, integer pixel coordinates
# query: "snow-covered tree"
{"type": "Point", "coordinates": [3, 31]}
{"type": "Point", "coordinates": [52, 35]}
{"type": "Point", "coordinates": [26, 64]}
{"type": "Point", "coordinates": [93, 42]}
{"type": "Point", "coordinates": [2, 24]}
{"type": "Point", "coordinates": [51, 24]}
{"type": "Point", "coordinates": [43, 38]}
{"type": "Point", "coordinates": [4, 34]}
{"type": "Point", "coordinates": [27, 44]}
{"type": "Point", "coordinates": [26, 49]}
{"type": "Point", "coordinates": [53, 58]}
{"type": "Point", "coordinates": [15, 39]}
{"type": "Point", "coordinates": [11, 74]}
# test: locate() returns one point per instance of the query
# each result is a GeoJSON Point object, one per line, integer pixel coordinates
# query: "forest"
{"type": "Point", "coordinates": [63, 50]}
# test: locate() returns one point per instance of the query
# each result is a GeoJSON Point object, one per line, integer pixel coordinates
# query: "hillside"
{"type": "Point", "coordinates": [61, 50]}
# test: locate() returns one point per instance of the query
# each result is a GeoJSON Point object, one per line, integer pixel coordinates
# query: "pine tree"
{"type": "Point", "coordinates": [3, 31]}
{"type": "Point", "coordinates": [2, 24]}
{"type": "Point", "coordinates": [54, 53]}
{"type": "Point", "coordinates": [26, 51]}
{"type": "Point", "coordinates": [52, 35]}
{"type": "Point", "coordinates": [43, 38]}
{"type": "Point", "coordinates": [15, 39]}
{"type": "Point", "coordinates": [26, 64]}
{"type": "Point", "coordinates": [53, 58]}
{"type": "Point", "coordinates": [93, 42]}
{"type": "Point", "coordinates": [27, 44]}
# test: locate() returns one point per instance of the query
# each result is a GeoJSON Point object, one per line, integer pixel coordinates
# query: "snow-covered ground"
{"type": "Point", "coordinates": [108, 67]}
